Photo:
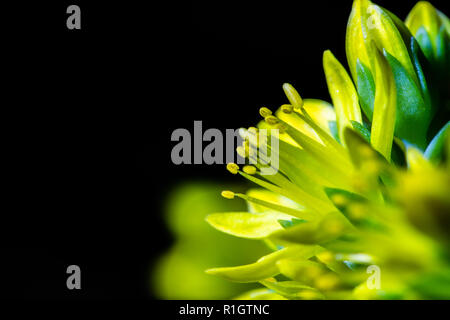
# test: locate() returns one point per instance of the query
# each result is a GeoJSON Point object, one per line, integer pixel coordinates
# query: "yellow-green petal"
{"type": "Point", "coordinates": [260, 294]}
{"type": "Point", "coordinates": [247, 225]}
{"type": "Point", "coordinates": [355, 39]}
{"type": "Point", "coordinates": [383, 123]}
{"type": "Point", "coordinates": [342, 92]}
{"type": "Point", "coordinates": [265, 267]}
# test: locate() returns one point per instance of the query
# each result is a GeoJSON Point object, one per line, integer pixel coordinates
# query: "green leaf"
{"type": "Point", "coordinates": [366, 88]}
{"type": "Point", "coordinates": [413, 116]}
{"type": "Point", "coordinates": [332, 125]}
{"type": "Point", "coordinates": [435, 149]}
{"type": "Point", "coordinates": [362, 130]}
{"type": "Point", "coordinates": [445, 21]}
{"type": "Point", "coordinates": [247, 225]}
{"type": "Point", "coordinates": [443, 50]}
{"type": "Point", "coordinates": [398, 155]}
{"type": "Point", "coordinates": [433, 285]}
{"type": "Point", "coordinates": [425, 43]}
{"type": "Point", "coordinates": [420, 62]}
{"type": "Point", "coordinates": [265, 267]}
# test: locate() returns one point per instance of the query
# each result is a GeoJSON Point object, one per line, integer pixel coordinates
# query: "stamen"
{"type": "Point", "coordinates": [233, 168]}
{"type": "Point", "coordinates": [265, 112]}
{"type": "Point", "coordinates": [249, 170]}
{"type": "Point", "coordinates": [293, 96]}
{"type": "Point", "coordinates": [271, 120]}
{"type": "Point", "coordinates": [287, 108]}
{"type": "Point", "coordinates": [228, 194]}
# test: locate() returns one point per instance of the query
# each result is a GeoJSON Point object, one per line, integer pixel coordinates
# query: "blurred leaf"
{"type": "Point", "coordinates": [435, 150]}
{"type": "Point", "coordinates": [263, 268]}
{"type": "Point", "coordinates": [260, 294]}
{"type": "Point", "coordinates": [290, 223]}
{"type": "Point", "coordinates": [362, 130]}
{"type": "Point", "coordinates": [293, 289]}
{"type": "Point", "coordinates": [180, 272]}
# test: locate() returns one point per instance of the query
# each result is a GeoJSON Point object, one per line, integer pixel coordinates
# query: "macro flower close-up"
{"type": "Point", "coordinates": [358, 205]}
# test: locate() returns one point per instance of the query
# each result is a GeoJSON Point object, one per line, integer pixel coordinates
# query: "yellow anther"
{"type": "Point", "coordinates": [293, 96]}
{"type": "Point", "coordinates": [265, 112]}
{"type": "Point", "coordinates": [233, 168]}
{"type": "Point", "coordinates": [287, 108]}
{"type": "Point", "coordinates": [339, 200]}
{"type": "Point", "coordinates": [271, 120]}
{"type": "Point", "coordinates": [228, 194]}
{"type": "Point", "coordinates": [251, 170]}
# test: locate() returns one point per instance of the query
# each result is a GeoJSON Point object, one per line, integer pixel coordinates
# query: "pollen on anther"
{"type": "Point", "coordinates": [228, 194]}
{"type": "Point", "coordinates": [232, 167]}
{"type": "Point", "coordinates": [251, 170]}
{"type": "Point", "coordinates": [265, 112]}
{"type": "Point", "coordinates": [287, 108]}
{"type": "Point", "coordinates": [271, 120]}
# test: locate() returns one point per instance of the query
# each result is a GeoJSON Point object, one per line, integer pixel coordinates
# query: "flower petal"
{"type": "Point", "coordinates": [247, 225]}
{"type": "Point", "coordinates": [265, 267]}
{"type": "Point", "coordinates": [384, 113]}
{"type": "Point", "coordinates": [342, 92]}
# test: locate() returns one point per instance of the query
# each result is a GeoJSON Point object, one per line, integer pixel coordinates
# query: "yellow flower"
{"type": "Point", "coordinates": [355, 191]}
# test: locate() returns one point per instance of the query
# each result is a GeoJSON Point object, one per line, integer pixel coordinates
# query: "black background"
{"type": "Point", "coordinates": [87, 115]}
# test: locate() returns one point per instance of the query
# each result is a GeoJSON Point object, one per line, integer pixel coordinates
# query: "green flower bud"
{"type": "Point", "coordinates": [372, 29]}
